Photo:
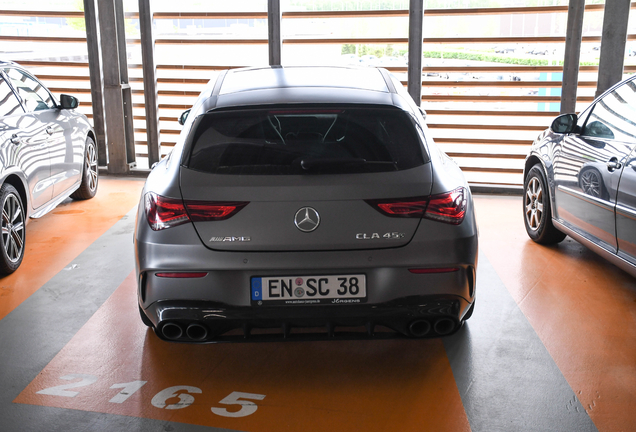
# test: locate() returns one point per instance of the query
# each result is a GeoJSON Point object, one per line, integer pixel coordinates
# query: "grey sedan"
{"type": "Point", "coordinates": [580, 178]}
{"type": "Point", "coordinates": [305, 202]}
{"type": "Point", "coordinates": [47, 153]}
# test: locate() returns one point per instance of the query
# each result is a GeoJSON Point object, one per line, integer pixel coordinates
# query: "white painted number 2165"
{"type": "Point", "coordinates": [184, 394]}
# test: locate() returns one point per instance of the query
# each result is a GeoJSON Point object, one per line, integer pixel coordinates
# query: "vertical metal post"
{"type": "Point", "coordinates": [97, 85]}
{"type": "Point", "coordinates": [113, 99]}
{"type": "Point", "coordinates": [416, 35]}
{"type": "Point", "coordinates": [572, 56]}
{"type": "Point", "coordinates": [613, 39]}
{"type": "Point", "coordinates": [275, 42]}
{"type": "Point", "coordinates": [125, 85]}
{"type": "Point", "coordinates": [151, 97]}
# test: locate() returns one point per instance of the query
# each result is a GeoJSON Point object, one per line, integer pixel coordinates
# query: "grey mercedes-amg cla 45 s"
{"type": "Point", "coordinates": [305, 202]}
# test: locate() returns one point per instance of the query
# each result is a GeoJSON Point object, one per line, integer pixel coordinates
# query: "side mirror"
{"type": "Point", "coordinates": [183, 117]}
{"type": "Point", "coordinates": [68, 101]}
{"type": "Point", "coordinates": [564, 124]}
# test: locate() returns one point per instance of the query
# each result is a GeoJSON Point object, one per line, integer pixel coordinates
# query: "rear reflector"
{"type": "Point", "coordinates": [449, 207]}
{"type": "Point", "coordinates": [182, 275]}
{"type": "Point", "coordinates": [434, 270]}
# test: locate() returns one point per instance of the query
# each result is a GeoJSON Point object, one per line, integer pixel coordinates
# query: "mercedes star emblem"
{"type": "Point", "coordinates": [307, 219]}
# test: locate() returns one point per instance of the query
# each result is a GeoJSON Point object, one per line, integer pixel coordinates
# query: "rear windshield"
{"type": "Point", "coordinates": [305, 141]}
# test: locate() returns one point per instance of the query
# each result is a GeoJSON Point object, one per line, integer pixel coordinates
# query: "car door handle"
{"type": "Point", "coordinates": [15, 139]}
{"type": "Point", "coordinates": [50, 130]}
{"type": "Point", "coordinates": [613, 164]}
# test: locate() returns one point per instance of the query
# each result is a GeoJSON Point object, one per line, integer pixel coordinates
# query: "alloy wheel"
{"type": "Point", "coordinates": [91, 166]}
{"type": "Point", "coordinates": [534, 204]}
{"type": "Point", "coordinates": [12, 228]}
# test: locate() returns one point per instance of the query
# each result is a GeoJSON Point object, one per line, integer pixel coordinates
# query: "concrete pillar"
{"type": "Point", "coordinates": [151, 97]}
{"type": "Point", "coordinates": [97, 84]}
{"type": "Point", "coordinates": [113, 97]}
{"type": "Point", "coordinates": [416, 34]}
{"type": "Point", "coordinates": [613, 39]}
{"type": "Point", "coordinates": [572, 56]}
{"type": "Point", "coordinates": [274, 18]}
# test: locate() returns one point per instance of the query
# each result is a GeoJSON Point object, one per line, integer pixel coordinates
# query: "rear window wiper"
{"type": "Point", "coordinates": [309, 163]}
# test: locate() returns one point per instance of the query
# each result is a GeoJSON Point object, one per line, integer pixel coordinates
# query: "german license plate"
{"type": "Point", "coordinates": [309, 290]}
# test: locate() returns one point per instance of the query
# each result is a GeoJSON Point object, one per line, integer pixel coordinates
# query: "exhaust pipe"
{"type": "Point", "coordinates": [171, 331]}
{"type": "Point", "coordinates": [197, 332]}
{"type": "Point", "coordinates": [444, 326]}
{"type": "Point", "coordinates": [419, 328]}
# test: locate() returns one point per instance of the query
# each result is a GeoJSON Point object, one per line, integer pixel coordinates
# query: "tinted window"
{"type": "Point", "coordinates": [305, 141]}
{"type": "Point", "coordinates": [9, 104]}
{"type": "Point", "coordinates": [614, 116]}
{"type": "Point", "coordinates": [33, 94]}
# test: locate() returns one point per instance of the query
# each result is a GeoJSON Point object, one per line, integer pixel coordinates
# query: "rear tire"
{"type": "Point", "coordinates": [537, 212]}
{"type": "Point", "coordinates": [13, 229]}
{"type": "Point", "coordinates": [90, 173]}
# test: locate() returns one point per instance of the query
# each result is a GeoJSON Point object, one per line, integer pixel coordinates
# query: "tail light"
{"type": "Point", "coordinates": [163, 212]}
{"type": "Point", "coordinates": [201, 211]}
{"type": "Point", "coordinates": [404, 207]}
{"type": "Point", "coordinates": [449, 207]}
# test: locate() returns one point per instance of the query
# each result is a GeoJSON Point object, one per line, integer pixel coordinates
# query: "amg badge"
{"type": "Point", "coordinates": [230, 239]}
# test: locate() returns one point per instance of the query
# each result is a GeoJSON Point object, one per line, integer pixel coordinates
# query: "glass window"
{"type": "Point", "coordinates": [293, 141]}
{"type": "Point", "coordinates": [614, 116]}
{"type": "Point", "coordinates": [9, 104]}
{"type": "Point", "coordinates": [33, 94]}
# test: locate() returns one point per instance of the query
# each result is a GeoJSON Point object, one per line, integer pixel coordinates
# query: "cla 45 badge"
{"type": "Point", "coordinates": [372, 236]}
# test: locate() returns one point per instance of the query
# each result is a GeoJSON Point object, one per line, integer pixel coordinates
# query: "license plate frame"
{"type": "Point", "coordinates": [341, 289]}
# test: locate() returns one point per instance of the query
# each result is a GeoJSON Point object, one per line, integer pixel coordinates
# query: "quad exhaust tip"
{"type": "Point", "coordinates": [441, 327]}
{"type": "Point", "coordinates": [444, 326]}
{"type": "Point", "coordinates": [420, 328]}
{"type": "Point", "coordinates": [197, 332]}
{"type": "Point", "coordinates": [171, 331]}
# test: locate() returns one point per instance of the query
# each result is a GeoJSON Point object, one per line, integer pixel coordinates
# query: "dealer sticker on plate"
{"type": "Point", "coordinates": [307, 290]}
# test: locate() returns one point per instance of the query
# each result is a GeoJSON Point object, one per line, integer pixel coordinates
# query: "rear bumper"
{"type": "Point", "coordinates": [209, 322]}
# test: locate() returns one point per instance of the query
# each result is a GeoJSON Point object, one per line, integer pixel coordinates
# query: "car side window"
{"type": "Point", "coordinates": [614, 116]}
{"type": "Point", "coordinates": [34, 96]}
{"type": "Point", "coordinates": [9, 104]}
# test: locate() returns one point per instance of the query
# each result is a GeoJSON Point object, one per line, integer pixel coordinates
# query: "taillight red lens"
{"type": "Point", "coordinates": [404, 207]}
{"type": "Point", "coordinates": [181, 275]}
{"type": "Point", "coordinates": [449, 207]}
{"type": "Point", "coordinates": [163, 212]}
{"type": "Point", "coordinates": [201, 211]}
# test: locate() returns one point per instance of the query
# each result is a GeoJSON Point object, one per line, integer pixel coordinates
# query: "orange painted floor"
{"type": "Point", "coordinates": [55, 239]}
{"type": "Point", "coordinates": [310, 386]}
{"type": "Point", "coordinates": [582, 309]}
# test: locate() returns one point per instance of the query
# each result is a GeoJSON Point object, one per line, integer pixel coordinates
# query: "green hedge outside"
{"type": "Point", "coordinates": [495, 58]}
